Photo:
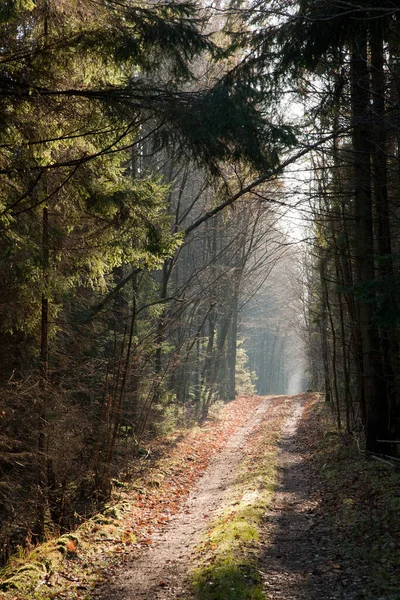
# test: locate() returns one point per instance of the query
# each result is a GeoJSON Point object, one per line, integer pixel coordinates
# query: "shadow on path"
{"type": "Point", "coordinates": [300, 559]}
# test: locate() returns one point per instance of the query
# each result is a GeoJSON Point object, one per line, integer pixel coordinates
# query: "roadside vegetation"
{"type": "Point", "coordinates": [361, 500]}
{"type": "Point", "coordinates": [358, 502]}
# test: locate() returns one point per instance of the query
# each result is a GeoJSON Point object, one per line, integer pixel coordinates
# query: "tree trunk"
{"type": "Point", "coordinates": [324, 328]}
{"type": "Point", "coordinates": [364, 238]}
{"type": "Point", "coordinates": [387, 297]}
{"type": "Point", "coordinates": [232, 351]}
{"type": "Point", "coordinates": [42, 507]}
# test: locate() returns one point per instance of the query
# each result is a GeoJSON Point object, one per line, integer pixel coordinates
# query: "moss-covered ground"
{"type": "Point", "coordinates": [72, 565]}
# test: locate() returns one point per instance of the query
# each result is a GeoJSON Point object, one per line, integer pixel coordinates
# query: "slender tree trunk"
{"type": "Point", "coordinates": [338, 227]}
{"type": "Point", "coordinates": [324, 328]}
{"type": "Point", "coordinates": [42, 507]}
{"type": "Point", "coordinates": [166, 273]}
{"type": "Point", "coordinates": [334, 358]}
{"type": "Point", "coordinates": [44, 331]}
{"type": "Point", "coordinates": [346, 376]}
{"type": "Point", "coordinates": [364, 238]}
{"type": "Point", "coordinates": [353, 312]}
{"type": "Point", "coordinates": [387, 298]}
{"type": "Point", "coordinates": [221, 340]}
{"type": "Point", "coordinates": [207, 368]}
{"type": "Point", "coordinates": [232, 352]}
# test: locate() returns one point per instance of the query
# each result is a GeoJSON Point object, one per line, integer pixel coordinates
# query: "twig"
{"type": "Point", "coordinates": [382, 458]}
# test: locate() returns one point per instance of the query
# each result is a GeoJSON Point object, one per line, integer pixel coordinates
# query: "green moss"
{"type": "Point", "coordinates": [228, 579]}
{"type": "Point", "coordinates": [23, 574]}
{"type": "Point", "coordinates": [25, 577]}
{"type": "Point", "coordinates": [113, 513]}
{"type": "Point", "coordinates": [62, 544]}
{"type": "Point", "coordinates": [101, 520]}
{"type": "Point", "coordinates": [118, 484]}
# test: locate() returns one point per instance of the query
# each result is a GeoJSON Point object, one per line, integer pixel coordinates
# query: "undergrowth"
{"type": "Point", "coordinates": [361, 498]}
{"type": "Point", "coordinates": [52, 567]}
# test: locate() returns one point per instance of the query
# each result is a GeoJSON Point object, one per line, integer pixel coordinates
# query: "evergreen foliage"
{"type": "Point", "coordinates": [113, 136]}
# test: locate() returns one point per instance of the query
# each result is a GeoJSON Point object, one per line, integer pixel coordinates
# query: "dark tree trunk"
{"type": "Point", "coordinates": [364, 250]}
{"type": "Point", "coordinates": [387, 297]}
{"type": "Point", "coordinates": [42, 507]}
{"type": "Point", "coordinates": [324, 328]}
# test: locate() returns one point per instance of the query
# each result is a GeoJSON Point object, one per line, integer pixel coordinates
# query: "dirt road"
{"type": "Point", "coordinates": [299, 559]}
{"type": "Point", "coordinates": [259, 502]}
{"type": "Point", "coordinates": [161, 572]}
{"type": "Point", "coordinates": [294, 554]}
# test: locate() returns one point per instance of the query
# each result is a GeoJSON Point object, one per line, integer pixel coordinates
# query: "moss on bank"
{"type": "Point", "coordinates": [33, 575]}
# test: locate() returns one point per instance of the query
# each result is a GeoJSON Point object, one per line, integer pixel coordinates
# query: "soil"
{"type": "Point", "coordinates": [298, 554]}
{"type": "Point", "coordinates": [160, 573]}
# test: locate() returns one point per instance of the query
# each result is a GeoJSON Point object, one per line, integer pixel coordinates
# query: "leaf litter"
{"type": "Point", "coordinates": [136, 512]}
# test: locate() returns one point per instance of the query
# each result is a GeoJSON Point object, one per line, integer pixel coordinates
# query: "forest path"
{"type": "Point", "coordinates": [161, 572]}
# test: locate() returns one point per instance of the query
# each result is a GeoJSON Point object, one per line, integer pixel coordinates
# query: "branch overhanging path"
{"type": "Point", "coordinates": [259, 181]}
{"type": "Point", "coordinates": [270, 175]}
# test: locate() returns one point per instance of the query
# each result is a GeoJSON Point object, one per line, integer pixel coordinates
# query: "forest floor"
{"type": "Point", "coordinates": [266, 500]}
